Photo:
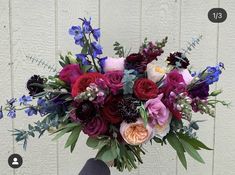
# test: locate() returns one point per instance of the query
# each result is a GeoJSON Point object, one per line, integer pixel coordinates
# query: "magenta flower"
{"type": "Point", "coordinates": [70, 73]}
{"type": "Point", "coordinates": [158, 112]}
{"type": "Point", "coordinates": [114, 79]}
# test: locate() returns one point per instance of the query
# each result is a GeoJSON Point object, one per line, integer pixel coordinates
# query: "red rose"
{"type": "Point", "coordinates": [145, 89]}
{"type": "Point", "coordinates": [83, 81]}
{"type": "Point", "coordinates": [109, 110]}
{"type": "Point", "coordinates": [70, 73]}
{"type": "Point", "coordinates": [114, 79]}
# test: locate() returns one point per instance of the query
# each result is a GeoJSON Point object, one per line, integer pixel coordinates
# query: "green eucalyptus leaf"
{"type": "Point", "coordinates": [92, 142]}
{"type": "Point", "coordinates": [73, 136]}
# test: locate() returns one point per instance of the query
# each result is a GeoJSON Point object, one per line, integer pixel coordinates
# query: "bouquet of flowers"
{"type": "Point", "coordinates": [120, 103]}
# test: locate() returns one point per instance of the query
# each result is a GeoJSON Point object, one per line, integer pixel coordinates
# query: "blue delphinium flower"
{"type": "Point", "coordinates": [31, 111]}
{"type": "Point", "coordinates": [1, 113]}
{"type": "Point", "coordinates": [25, 99]}
{"type": "Point", "coordinates": [82, 57]}
{"type": "Point", "coordinates": [96, 34]}
{"type": "Point", "coordinates": [97, 49]}
{"type": "Point", "coordinates": [12, 113]}
{"type": "Point", "coordinates": [102, 63]}
{"type": "Point", "coordinates": [76, 31]}
{"type": "Point", "coordinates": [211, 75]}
{"type": "Point", "coordinates": [86, 25]}
{"type": "Point", "coordinates": [42, 105]}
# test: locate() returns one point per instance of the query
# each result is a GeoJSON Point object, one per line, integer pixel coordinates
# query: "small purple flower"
{"type": "Point", "coordinates": [31, 111]}
{"type": "Point", "coordinates": [25, 99]}
{"type": "Point", "coordinates": [12, 113]}
{"type": "Point", "coordinates": [1, 113]}
{"type": "Point", "coordinates": [96, 34]}
{"type": "Point", "coordinates": [97, 49]}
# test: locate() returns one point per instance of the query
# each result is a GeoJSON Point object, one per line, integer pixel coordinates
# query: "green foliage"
{"type": "Point", "coordinates": [143, 114]}
{"type": "Point", "coordinates": [119, 49]}
{"type": "Point", "coordinates": [192, 45]}
{"type": "Point", "coordinates": [128, 81]}
{"type": "Point", "coordinates": [124, 156]}
{"type": "Point", "coordinates": [72, 140]}
{"type": "Point", "coordinates": [182, 143]}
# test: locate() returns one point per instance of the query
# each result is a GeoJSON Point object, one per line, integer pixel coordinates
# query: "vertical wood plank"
{"type": "Point", "coordinates": [224, 155]}
{"type": "Point", "coordinates": [194, 21]}
{"type": "Point", "coordinates": [160, 19]}
{"type": "Point", "coordinates": [6, 145]}
{"type": "Point", "coordinates": [120, 21]}
{"type": "Point", "coordinates": [68, 14]}
{"type": "Point", "coordinates": [33, 35]}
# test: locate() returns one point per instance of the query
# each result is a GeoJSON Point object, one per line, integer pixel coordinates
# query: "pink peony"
{"type": "Point", "coordinates": [158, 112]}
{"type": "Point", "coordinates": [112, 64]}
{"type": "Point", "coordinates": [70, 73]}
{"type": "Point", "coordinates": [114, 79]}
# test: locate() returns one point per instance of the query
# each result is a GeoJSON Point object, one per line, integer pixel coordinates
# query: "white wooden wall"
{"type": "Point", "coordinates": [39, 28]}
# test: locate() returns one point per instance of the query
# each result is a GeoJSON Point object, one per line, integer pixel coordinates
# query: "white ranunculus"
{"type": "Point", "coordinates": [155, 73]}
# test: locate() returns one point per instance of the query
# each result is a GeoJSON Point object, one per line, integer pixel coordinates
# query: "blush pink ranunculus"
{"type": "Point", "coordinates": [157, 111]}
{"type": "Point", "coordinates": [186, 76]}
{"type": "Point", "coordinates": [112, 64]}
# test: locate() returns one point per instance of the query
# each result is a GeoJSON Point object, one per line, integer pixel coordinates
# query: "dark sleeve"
{"type": "Point", "coordinates": [95, 167]}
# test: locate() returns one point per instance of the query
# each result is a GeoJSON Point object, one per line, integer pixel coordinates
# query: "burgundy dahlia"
{"type": "Point", "coordinates": [178, 60]}
{"type": "Point", "coordinates": [137, 62]}
{"type": "Point", "coordinates": [85, 111]}
{"type": "Point", "coordinates": [35, 85]}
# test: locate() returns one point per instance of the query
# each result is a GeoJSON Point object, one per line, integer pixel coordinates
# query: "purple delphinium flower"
{"type": "Point", "coordinates": [1, 113]}
{"type": "Point", "coordinates": [102, 63]}
{"type": "Point", "coordinates": [25, 99]}
{"type": "Point", "coordinates": [86, 25]}
{"type": "Point", "coordinates": [97, 49]}
{"type": "Point", "coordinates": [76, 31]}
{"type": "Point", "coordinates": [12, 113]}
{"type": "Point", "coordinates": [42, 105]}
{"type": "Point", "coordinates": [11, 102]}
{"type": "Point", "coordinates": [96, 34]}
{"type": "Point", "coordinates": [82, 57]}
{"type": "Point", "coordinates": [31, 111]}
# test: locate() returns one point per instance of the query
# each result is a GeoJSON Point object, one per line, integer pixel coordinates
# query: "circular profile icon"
{"type": "Point", "coordinates": [15, 161]}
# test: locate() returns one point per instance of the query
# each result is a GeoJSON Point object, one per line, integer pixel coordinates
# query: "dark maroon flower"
{"type": "Point", "coordinates": [151, 52]}
{"type": "Point", "coordinates": [110, 109]}
{"type": "Point", "coordinates": [70, 73]}
{"type": "Point", "coordinates": [85, 111]}
{"type": "Point", "coordinates": [201, 90]}
{"type": "Point", "coordinates": [178, 60]}
{"type": "Point", "coordinates": [33, 85]}
{"type": "Point", "coordinates": [95, 127]}
{"type": "Point", "coordinates": [137, 62]}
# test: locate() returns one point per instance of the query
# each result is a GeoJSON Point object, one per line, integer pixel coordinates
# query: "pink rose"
{"type": "Point", "coordinates": [186, 76]}
{"type": "Point", "coordinates": [112, 64]}
{"type": "Point", "coordinates": [114, 79]}
{"type": "Point", "coordinates": [158, 112]}
{"type": "Point", "coordinates": [70, 73]}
